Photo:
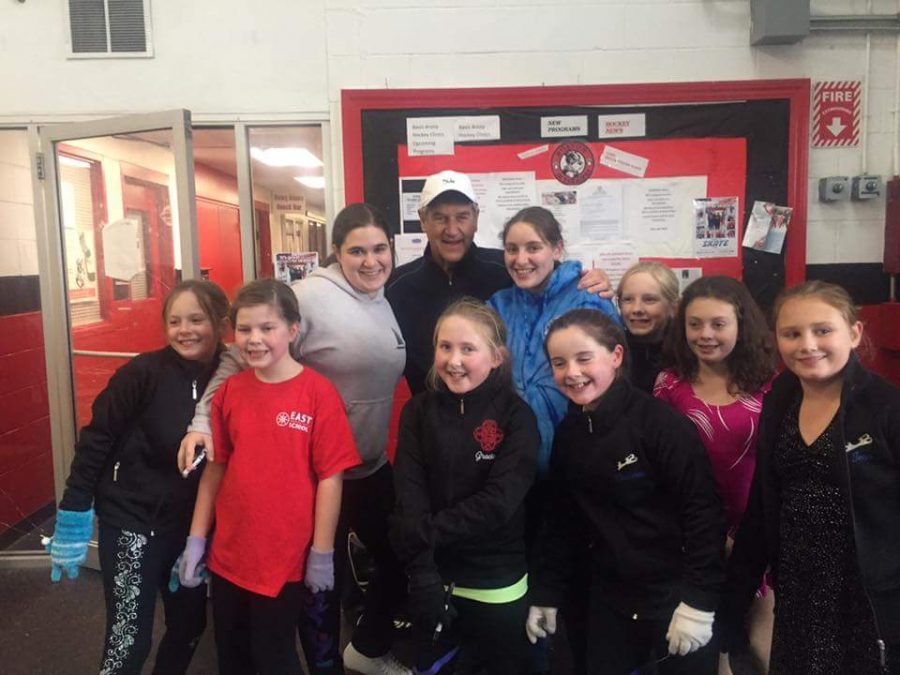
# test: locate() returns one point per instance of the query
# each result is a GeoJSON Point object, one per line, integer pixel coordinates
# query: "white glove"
{"type": "Point", "coordinates": [541, 623]}
{"type": "Point", "coordinates": [689, 630]}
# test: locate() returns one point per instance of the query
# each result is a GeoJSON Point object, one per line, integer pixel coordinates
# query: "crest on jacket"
{"type": "Point", "coordinates": [489, 436]}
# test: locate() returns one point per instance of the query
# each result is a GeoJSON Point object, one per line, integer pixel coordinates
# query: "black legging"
{"type": "Point", "coordinates": [136, 567]}
{"type": "Point", "coordinates": [490, 639]}
{"type": "Point", "coordinates": [618, 644]}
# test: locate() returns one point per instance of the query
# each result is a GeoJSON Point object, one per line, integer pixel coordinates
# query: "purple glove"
{"type": "Point", "coordinates": [319, 571]}
{"type": "Point", "coordinates": [194, 551]}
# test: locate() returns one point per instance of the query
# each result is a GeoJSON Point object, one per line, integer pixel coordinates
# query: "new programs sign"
{"type": "Point", "coordinates": [835, 122]}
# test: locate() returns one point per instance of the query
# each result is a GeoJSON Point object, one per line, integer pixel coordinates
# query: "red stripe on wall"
{"type": "Point", "coordinates": [26, 454]}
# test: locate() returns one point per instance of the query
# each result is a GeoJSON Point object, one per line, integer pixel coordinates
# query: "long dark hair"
{"type": "Point", "coordinates": [210, 297]}
{"type": "Point", "coordinates": [541, 220]}
{"type": "Point", "coordinates": [354, 216]}
{"type": "Point", "coordinates": [751, 362]}
{"type": "Point", "coordinates": [357, 215]}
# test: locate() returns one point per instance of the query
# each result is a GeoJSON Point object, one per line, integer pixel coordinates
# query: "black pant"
{"type": "Point", "coordinates": [574, 610]}
{"type": "Point", "coordinates": [366, 504]}
{"type": "Point", "coordinates": [488, 639]}
{"type": "Point", "coordinates": [618, 645]}
{"type": "Point", "coordinates": [256, 633]}
{"type": "Point", "coordinates": [135, 568]}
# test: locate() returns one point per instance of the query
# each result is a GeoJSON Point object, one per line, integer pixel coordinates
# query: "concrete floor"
{"type": "Point", "coordinates": [57, 629]}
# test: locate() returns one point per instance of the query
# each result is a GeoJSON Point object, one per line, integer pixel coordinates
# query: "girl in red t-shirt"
{"type": "Point", "coordinates": [282, 443]}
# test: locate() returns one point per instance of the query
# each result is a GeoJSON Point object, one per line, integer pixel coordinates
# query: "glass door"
{"type": "Point", "coordinates": [119, 233]}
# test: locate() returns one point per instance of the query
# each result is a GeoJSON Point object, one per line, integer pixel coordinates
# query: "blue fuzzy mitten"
{"type": "Point", "coordinates": [69, 543]}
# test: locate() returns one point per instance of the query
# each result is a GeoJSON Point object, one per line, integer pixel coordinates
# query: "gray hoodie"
{"type": "Point", "coordinates": [351, 338]}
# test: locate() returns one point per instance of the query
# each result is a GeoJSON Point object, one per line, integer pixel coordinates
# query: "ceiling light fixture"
{"type": "Point", "coordinates": [65, 160]}
{"type": "Point", "coordinates": [286, 157]}
{"type": "Point", "coordinates": [314, 182]}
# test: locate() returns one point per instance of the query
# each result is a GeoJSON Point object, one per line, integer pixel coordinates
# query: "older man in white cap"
{"type": "Point", "coordinates": [453, 266]}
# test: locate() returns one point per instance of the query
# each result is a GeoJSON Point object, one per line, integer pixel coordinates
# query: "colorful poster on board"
{"type": "Point", "coordinates": [715, 227]}
{"type": "Point", "coordinates": [767, 227]}
{"type": "Point", "coordinates": [291, 267]}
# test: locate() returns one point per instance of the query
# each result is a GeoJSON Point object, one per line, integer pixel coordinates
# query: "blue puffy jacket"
{"type": "Point", "coordinates": [527, 316]}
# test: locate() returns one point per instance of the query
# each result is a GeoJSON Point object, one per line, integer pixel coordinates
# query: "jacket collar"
{"type": "Point", "coordinates": [609, 407]}
{"type": "Point", "coordinates": [787, 385]}
{"type": "Point", "coordinates": [561, 278]}
{"type": "Point", "coordinates": [476, 399]}
{"type": "Point", "coordinates": [466, 264]}
{"type": "Point", "coordinates": [194, 369]}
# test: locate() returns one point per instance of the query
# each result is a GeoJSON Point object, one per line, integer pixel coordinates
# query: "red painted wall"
{"type": "Point", "coordinates": [137, 326]}
{"type": "Point", "coordinates": [218, 227]}
{"type": "Point", "coordinates": [880, 350]}
{"type": "Point", "coordinates": [218, 231]}
{"type": "Point", "coordinates": [26, 457]}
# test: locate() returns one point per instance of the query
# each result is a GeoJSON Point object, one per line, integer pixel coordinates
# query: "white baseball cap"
{"type": "Point", "coordinates": [446, 181]}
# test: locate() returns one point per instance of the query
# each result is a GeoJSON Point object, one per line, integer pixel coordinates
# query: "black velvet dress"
{"type": "Point", "coordinates": [823, 621]}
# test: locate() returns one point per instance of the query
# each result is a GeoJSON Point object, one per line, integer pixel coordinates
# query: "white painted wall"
{"type": "Point", "coordinates": [283, 59]}
{"type": "Point", "coordinates": [213, 56]}
{"type": "Point", "coordinates": [18, 247]}
{"type": "Point", "coordinates": [447, 43]}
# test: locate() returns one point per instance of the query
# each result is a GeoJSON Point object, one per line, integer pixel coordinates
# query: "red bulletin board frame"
{"type": "Point", "coordinates": [795, 91]}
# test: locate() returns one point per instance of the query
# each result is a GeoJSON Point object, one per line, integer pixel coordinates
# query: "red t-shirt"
{"type": "Point", "coordinates": [278, 441]}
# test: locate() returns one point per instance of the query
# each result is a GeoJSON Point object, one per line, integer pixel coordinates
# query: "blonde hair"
{"type": "Point", "coordinates": [662, 275]}
{"type": "Point", "coordinates": [830, 294]}
{"type": "Point", "coordinates": [488, 323]}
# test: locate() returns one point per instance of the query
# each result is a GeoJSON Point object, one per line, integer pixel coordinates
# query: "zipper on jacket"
{"type": "Point", "coordinates": [462, 407]}
{"type": "Point", "coordinates": [116, 471]}
{"type": "Point", "coordinates": [882, 658]}
{"type": "Point", "coordinates": [194, 389]}
{"type": "Point", "coordinates": [590, 421]}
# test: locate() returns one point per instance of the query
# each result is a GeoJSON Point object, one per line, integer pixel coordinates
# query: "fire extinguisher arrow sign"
{"type": "Point", "coordinates": [836, 127]}
{"type": "Point", "coordinates": [836, 111]}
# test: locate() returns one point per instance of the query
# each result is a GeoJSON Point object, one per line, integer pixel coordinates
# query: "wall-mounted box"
{"type": "Point", "coordinates": [778, 22]}
{"type": "Point", "coordinates": [866, 187]}
{"type": "Point", "coordinates": [834, 189]}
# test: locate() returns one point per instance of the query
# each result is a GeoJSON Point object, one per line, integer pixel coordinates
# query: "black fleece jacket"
{"type": "Point", "coordinates": [869, 471]}
{"type": "Point", "coordinates": [126, 457]}
{"type": "Point", "coordinates": [420, 291]}
{"type": "Point", "coordinates": [644, 362]}
{"type": "Point", "coordinates": [463, 467]}
{"type": "Point", "coordinates": [633, 479]}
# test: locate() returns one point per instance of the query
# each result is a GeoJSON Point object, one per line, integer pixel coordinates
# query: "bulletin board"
{"type": "Point", "coordinates": [744, 140]}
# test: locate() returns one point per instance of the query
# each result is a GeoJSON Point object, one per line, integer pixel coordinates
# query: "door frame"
{"type": "Point", "coordinates": [54, 296]}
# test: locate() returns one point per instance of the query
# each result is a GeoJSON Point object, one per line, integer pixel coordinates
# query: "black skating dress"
{"type": "Point", "coordinates": [823, 621]}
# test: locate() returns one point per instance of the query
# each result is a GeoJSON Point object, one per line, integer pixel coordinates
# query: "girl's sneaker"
{"type": "Point", "coordinates": [373, 665]}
